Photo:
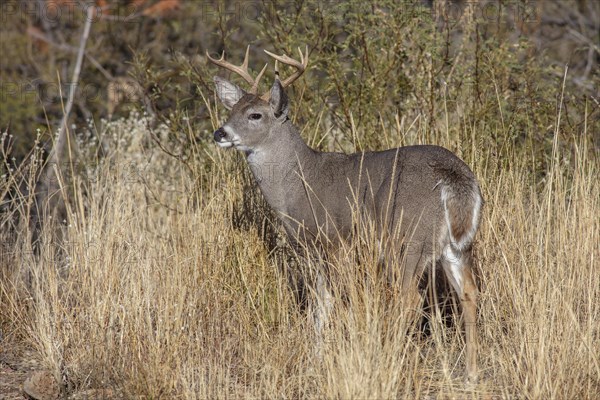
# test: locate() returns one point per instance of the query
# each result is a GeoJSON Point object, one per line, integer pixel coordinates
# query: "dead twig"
{"type": "Point", "coordinates": [47, 200]}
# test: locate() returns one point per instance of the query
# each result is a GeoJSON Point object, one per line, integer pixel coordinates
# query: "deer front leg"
{"type": "Point", "coordinates": [323, 304]}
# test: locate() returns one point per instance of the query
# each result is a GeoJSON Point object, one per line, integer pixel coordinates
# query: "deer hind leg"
{"type": "Point", "coordinates": [412, 264]}
{"type": "Point", "coordinates": [457, 267]}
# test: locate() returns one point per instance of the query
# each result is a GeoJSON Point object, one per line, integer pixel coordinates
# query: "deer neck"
{"type": "Point", "coordinates": [277, 165]}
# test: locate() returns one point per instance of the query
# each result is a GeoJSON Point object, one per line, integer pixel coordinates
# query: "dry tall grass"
{"type": "Point", "coordinates": [154, 289]}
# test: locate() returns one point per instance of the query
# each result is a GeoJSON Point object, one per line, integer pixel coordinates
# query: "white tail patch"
{"type": "Point", "coordinates": [453, 259]}
{"type": "Point", "coordinates": [462, 211]}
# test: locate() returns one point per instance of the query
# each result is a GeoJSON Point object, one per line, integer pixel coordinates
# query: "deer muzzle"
{"type": "Point", "coordinates": [219, 135]}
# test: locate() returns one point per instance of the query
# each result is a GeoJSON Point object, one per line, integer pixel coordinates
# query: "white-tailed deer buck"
{"type": "Point", "coordinates": [422, 195]}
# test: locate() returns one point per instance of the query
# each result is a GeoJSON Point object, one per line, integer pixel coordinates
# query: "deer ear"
{"type": "Point", "coordinates": [229, 93]}
{"type": "Point", "coordinates": [279, 100]}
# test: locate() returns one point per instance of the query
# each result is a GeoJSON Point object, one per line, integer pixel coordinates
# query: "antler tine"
{"type": "Point", "coordinates": [254, 89]}
{"type": "Point", "coordinates": [241, 70]}
{"type": "Point", "coordinates": [245, 63]}
{"type": "Point", "coordinates": [299, 65]}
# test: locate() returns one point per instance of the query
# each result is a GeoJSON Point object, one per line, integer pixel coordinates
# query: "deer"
{"type": "Point", "coordinates": [421, 193]}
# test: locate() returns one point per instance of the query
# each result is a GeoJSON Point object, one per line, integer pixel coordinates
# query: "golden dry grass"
{"type": "Point", "coordinates": [187, 302]}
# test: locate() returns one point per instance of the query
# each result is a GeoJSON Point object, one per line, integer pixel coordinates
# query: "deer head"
{"type": "Point", "coordinates": [253, 118]}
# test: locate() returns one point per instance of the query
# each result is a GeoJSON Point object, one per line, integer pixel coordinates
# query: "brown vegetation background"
{"type": "Point", "coordinates": [158, 273]}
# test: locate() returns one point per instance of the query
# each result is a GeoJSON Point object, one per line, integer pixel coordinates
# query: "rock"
{"type": "Point", "coordinates": [41, 385]}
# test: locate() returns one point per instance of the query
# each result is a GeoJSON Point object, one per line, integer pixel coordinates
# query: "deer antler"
{"type": "Point", "coordinates": [299, 65]}
{"type": "Point", "coordinates": [241, 70]}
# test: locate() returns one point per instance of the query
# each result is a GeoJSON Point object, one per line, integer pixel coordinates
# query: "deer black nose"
{"type": "Point", "coordinates": [219, 134]}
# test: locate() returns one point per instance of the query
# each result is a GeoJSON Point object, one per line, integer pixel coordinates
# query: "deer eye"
{"type": "Point", "coordinates": [255, 116]}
